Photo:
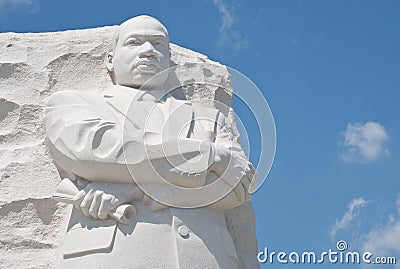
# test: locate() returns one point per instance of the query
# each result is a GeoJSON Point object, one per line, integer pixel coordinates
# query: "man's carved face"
{"type": "Point", "coordinates": [141, 52]}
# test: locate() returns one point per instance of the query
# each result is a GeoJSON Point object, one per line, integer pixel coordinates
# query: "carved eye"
{"type": "Point", "coordinates": [159, 42]}
{"type": "Point", "coordinates": [132, 42]}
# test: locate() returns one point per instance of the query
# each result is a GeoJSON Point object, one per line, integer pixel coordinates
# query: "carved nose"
{"type": "Point", "coordinates": [147, 50]}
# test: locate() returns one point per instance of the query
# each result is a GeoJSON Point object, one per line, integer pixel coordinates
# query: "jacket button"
{"type": "Point", "coordinates": [183, 231]}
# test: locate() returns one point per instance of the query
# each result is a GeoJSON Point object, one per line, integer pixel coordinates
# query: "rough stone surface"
{"type": "Point", "coordinates": [32, 66]}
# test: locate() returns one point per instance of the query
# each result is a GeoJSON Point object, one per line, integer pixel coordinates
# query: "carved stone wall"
{"type": "Point", "coordinates": [32, 66]}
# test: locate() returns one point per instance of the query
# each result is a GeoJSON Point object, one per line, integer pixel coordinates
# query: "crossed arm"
{"type": "Point", "coordinates": [85, 139]}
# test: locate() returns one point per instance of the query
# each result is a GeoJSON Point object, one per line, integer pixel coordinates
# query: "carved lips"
{"type": "Point", "coordinates": [147, 66]}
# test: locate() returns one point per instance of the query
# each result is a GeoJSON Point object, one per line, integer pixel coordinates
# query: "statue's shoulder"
{"type": "Point", "coordinates": [73, 97]}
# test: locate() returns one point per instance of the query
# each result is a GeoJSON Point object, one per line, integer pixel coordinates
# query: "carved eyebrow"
{"type": "Point", "coordinates": [158, 36]}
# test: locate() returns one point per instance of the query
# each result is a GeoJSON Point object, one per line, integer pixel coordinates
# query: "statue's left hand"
{"type": "Point", "coordinates": [245, 183]}
{"type": "Point", "coordinates": [100, 199]}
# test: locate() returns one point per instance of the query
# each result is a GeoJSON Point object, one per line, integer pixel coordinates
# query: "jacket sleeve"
{"type": "Point", "coordinates": [86, 139]}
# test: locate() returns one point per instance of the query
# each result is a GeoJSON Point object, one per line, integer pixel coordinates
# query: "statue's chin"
{"type": "Point", "coordinates": [145, 80]}
{"type": "Point", "coordinates": [147, 85]}
{"type": "Point", "coordinates": [150, 81]}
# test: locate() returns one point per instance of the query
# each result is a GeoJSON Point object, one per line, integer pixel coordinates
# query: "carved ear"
{"type": "Point", "coordinates": [109, 62]}
{"type": "Point", "coordinates": [110, 67]}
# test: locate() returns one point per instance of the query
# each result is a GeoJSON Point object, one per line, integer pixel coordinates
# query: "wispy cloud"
{"type": "Point", "coordinates": [227, 18]}
{"type": "Point", "coordinates": [348, 217]}
{"type": "Point", "coordinates": [385, 240]}
{"type": "Point", "coordinates": [31, 5]}
{"type": "Point", "coordinates": [229, 35]}
{"type": "Point", "coordinates": [364, 142]}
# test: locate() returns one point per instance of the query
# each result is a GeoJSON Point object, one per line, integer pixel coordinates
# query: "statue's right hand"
{"type": "Point", "coordinates": [97, 204]}
{"type": "Point", "coordinates": [99, 200]}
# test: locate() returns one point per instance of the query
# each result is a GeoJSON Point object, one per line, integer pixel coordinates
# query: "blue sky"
{"type": "Point", "coordinates": [330, 71]}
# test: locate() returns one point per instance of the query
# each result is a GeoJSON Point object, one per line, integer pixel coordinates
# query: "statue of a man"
{"type": "Point", "coordinates": [111, 147]}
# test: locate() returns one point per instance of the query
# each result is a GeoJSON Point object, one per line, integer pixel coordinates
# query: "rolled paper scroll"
{"type": "Point", "coordinates": [66, 192]}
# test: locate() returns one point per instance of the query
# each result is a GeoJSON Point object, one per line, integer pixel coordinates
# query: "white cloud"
{"type": "Point", "coordinates": [364, 142]}
{"type": "Point", "coordinates": [227, 18]}
{"type": "Point", "coordinates": [385, 241]}
{"type": "Point", "coordinates": [229, 35]}
{"type": "Point", "coordinates": [349, 216]}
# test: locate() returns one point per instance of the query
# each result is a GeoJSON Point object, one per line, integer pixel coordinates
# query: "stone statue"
{"type": "Point", "coordinates": [149, 175]}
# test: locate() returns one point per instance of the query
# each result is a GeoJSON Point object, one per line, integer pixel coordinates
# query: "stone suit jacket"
{"type": "Point", "coordinates": [85, 137]}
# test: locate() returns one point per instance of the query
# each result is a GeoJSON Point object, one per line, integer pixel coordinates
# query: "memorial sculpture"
{"type": "Point", "coordinates": [140, 165]}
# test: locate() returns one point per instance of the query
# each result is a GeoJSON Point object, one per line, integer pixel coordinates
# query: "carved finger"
{"type": "Point", "coordinates": [251, 172]}
{"type": "Point", "coordinates": [252, 176]}
{"type": "Point", "coordinates": [251, 167]}
{"type": "Point", "coordinates": [106, 206]}
{"type": "Point", "coordinates": [94, 207]}
{"type": "Point", "coordinates": [246, 184]}
{"type": "Point", "coordinates": [86, 202]}
{"type": "Point", "coordinates": [248, 179]}
{"type": "Point", "coordinates": [249, 175]}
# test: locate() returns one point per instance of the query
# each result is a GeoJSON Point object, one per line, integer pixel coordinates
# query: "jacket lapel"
{"type": "Point", "coordinates": [179, 118]}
